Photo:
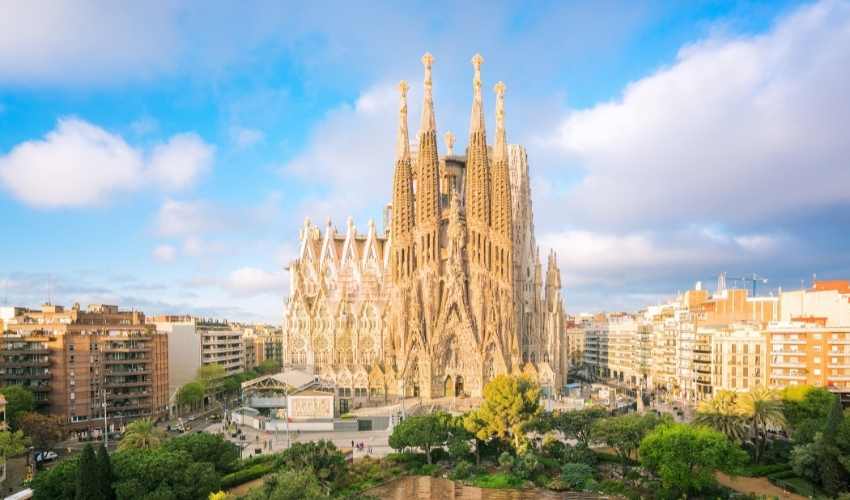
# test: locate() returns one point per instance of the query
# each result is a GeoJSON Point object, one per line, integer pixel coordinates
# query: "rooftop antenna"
{"type": "Point", "coordinates": [49, 295]}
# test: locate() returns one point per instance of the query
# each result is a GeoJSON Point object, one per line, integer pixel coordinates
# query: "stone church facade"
{"type": "Point", "coordinates": [451, 294]}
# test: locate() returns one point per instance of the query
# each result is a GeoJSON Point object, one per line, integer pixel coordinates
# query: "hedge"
{"type": "Point", "coordinates": [762, 470]}
{"type": "Point", "coordinates": [245, 475]}
{"type": "Point", "coordinates": [796, 485]}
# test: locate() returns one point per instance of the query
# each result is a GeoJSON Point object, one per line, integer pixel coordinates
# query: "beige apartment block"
{"type": "Point", "coordinates": [622, 341]}
{"type": "Point", "coordinates": [575, 337]}
{"type": "Point", "coordinates": [75, 361]}
{"type": "Point", "coordinates": [221, 344]}
{"type": "Point", "coordinates": [184, 349]}
{"type": "Point", "coordinates": [739, 358]}
{"type": "Point", "coordinates": [825, 299]}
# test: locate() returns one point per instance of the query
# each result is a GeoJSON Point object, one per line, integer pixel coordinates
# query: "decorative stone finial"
{"type": "Point", "coordinates": [499, 88]}
{"type": "Point", "coordinates": [450, 143]}
{"type": "Point", "coordinates": [403, 146]}
{"type": "Point", "coordinates": [428, 122]}
{"type": "Point", "coordinates": [476, 122]}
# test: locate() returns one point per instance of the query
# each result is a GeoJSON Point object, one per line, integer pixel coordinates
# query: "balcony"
{"type": "Point", "coordinates": [779, 340]}
{"type": "Point", "coordinates": [786, 364]}
{"type": "Point", "coordinates": [788, 377]}
{"type": "Point", "coordinates": [115, 361]}
{"type": "Point", "coordinates": [25, 363]}
{"type": "Point", "coordinates": [25, 376]}
{"type": "Point", "coordinates": [126, 383]}
{"type": "Point", "coordinates": [838, 365]}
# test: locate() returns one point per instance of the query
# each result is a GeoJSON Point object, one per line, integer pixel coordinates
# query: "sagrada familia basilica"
{"type": "Point", "coordinates": [451, 294]}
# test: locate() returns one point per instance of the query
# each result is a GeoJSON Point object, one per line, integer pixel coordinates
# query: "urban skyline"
{"type": "Point", "coordinates": [170, 176]}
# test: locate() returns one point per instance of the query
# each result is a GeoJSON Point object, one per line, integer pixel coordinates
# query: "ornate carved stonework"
{"type": "Point", "coordinates": [451, 294]}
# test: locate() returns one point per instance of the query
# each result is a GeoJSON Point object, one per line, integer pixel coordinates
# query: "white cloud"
{"type": "Point", "coordinates": [246, 137]}
{"type": "Point", "coordinates": [76, 164]}
{"type": "Point", "coordinates": [350, 155]}
{"type": "Point", "coordinates": [589, 258]}
{"type": "Point", "coordinates": [165, 253]}
{"type": "Point", "coordinates": [254, 281]}
{"type": "Point", "coordinates": [81, 164]}
{"type": "Point", "coordinates": [742, 129]}
{"type": "Point", "coordinates": [179, 162]}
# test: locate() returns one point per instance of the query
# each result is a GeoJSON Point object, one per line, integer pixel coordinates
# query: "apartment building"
{"type": "Point", "coordinates": [265, 343]}
{"type": "Point", "coordinates": [196, 342]}
{"type": "Point", "coordinates": [622, 340]}
{"type": "Point", "coordinates": [809, 353]}
{"type": "Point", "coordinates": [81, 363]}
{"type": "Point", "coordinates": [596, 344]}
{"type": "Point", "coordinates": [739, 358]}
{"type": "Point", "coordinates": [575, 336]}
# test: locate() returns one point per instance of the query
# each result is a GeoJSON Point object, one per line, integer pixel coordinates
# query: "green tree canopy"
{"type": "Point", "coordinates": [685, 457]}
{"type": "Point", "coordinates": [723, 414]}
{"type": "Point", "coordinates": [421, 431]}
{"type": "Point", "coordinates": [290, 484]}
{"type": "Point", "coordinates": [204, 447]}
{"type": "Point", "coordinates": [43, 430]}
{"type": "Point", "coordinates": [191, 394]}
{"type": "Point", "coordinates": [624, 433]}
{"type": "Point", "coordinates": [322, 458]}
{"type": "Point", "coordinates": [210, 376]}
{"type": "Point", "coordinates": [510, 404]}
{"type": "Point", "coordinates": [105, 476]}
{"type": "Point", "coordinates": [577, 424]}
{"type": "Point", "coordinates": [762, 409]}
{"type": "Point", "coordinates": [805, 409]}
{"type": "Point", "coordinates": [87, 476]}
{"type": "Point", "coordinates": [18, 401]}
{"type": "Point", "coordinates": [141, 434]}
{"type": "Point", "coordinates": [161, 473]}
{"type": "Point", "coordinates": [58, 482]}
{"type": "Point", "coordinates": [268, 366]}
{"type": "Point", "coordinates": [12, 443]}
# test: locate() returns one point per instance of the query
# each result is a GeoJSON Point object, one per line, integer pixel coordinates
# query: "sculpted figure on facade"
{"type": "Point", "coordinates": [451, 293]}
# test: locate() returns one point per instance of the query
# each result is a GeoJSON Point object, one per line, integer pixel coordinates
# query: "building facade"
{"type": "Point", "coordinates": [82, 363]}
{"type": "Point", "coordinates": [451, 294]}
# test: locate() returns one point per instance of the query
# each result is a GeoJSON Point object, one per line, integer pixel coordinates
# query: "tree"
{"type": "Point", "coordinates": [723, 414]}
{"type": "Point", "coordinates": [421, 431]}
{"type": "Point", "coordinates": [267, 367]}
{"type": "Point", "coordinates": [322, 458]}
{"type": "Point", "coordinates": [805, 409]}
{"type": "Point", "coordinates": [104, 474]}
{"type": "Point", "coordinates": [624, 433]}
{"type": "Point", "coordinates": [12, 443]}
{"type": "Point", "coordinates": [685, 457]}
{"type": "Point", "coordinates": [44, 430]}
{"type": "Point", "coordinates": [191, 395]}
{"type": "Point", "coordinates": [763, 409]}
{"type": "Point", "coordinates": [58, 482]}
{"type": "Point", "coordinates": [209, 376]}
{"type": "Point", "coordinates": [160, 473]}
{"type": "Point", "coordinates": [578, 424]}
{"type": "Point", "coordinates": [18, 401]}
{"type": "Point", "coordinates": [141, 434]}
{"type": "Point", "coordinates": [204, 447]}
{"type": "Point", "coordinates": [576, 476]}
{"type": "Point", "coordinates": [510, 404]}
{"type": "Point", "coordinates": [297, 484]}
{"type": "Point", "coordinates": [87, 476]}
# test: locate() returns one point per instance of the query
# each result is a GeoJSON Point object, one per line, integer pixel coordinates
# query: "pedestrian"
{"type": "Point", "coordinates": [352, 443]}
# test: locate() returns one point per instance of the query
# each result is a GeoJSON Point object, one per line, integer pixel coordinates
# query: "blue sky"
{"type": "Point", "coordinates": [162, 155]}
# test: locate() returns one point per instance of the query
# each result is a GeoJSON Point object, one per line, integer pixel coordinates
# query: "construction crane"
{"type": "Point", "coordinates": [754, 279]}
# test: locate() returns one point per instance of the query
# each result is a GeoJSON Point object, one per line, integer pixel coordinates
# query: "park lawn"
{"type": "Point", "coordinates": [496, 480]}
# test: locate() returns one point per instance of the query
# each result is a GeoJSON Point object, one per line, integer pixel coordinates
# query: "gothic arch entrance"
{"type": "Point", "coordinates": [458, 389]}
{"type": "Point", "coordinates": [449, 387]}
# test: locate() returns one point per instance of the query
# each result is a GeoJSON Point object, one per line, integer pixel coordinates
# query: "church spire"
{"type": "Point", "coordinates": [477, 163]}
{"type": "Point", "coordinates": [428, 179]}
{"type": "Point", "coordinates": [501, 220]}
{"type": "Point", "coordinates": [402, 208]}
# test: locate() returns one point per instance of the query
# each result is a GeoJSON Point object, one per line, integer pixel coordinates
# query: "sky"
{"type": "Point", "coordinates": [163, 155]}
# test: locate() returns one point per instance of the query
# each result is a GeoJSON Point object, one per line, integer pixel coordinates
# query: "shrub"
{"type": "Point", "coordinates": [499, 480]}
{"type": "Point", "coordinates": [506, 461]}
{"type": "Point", "coordinates": [579, 455]}
{"type": "Point", "coordinates": [576, 476]}
{"type": "Point", "coordinates": [247, 474]}
{"type": "Point", "coordinates": [553, 448]}
{"type": "Point", "coordinates": [762, 470]}
{"type": "Point", "coordinates": [527, 465]}
{"type": "Point", "coordinates": [428, 470]}
{"type": "Point", "coordinates": [462, 470]}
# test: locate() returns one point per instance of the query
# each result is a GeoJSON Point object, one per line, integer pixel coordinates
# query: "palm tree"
{"type": "Point", "coordinates": [763, 409]}
{"type": "Point", "coordinates": [722, 414]}
{"type": "Point", "coordinates": [142, 434]}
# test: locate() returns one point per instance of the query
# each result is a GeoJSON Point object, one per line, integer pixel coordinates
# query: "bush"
{"type": "Point", "coordinates": [247, 474]}
{"type": "Point", "coordinates": [576, 476]}
{"type": "Point", "coordinates": [527, 466]}
{"type": "Point", "coordinates": [462, 470]}
{"type": "Point", "coordinates": [785, 474]}
{"type": "Point", "coordinates": [499, 480]}
{"type": "Point", "coordinates": [427, 470]}
{"type": "Point", "coordinates": [579, 455]}
{"type": "Point", "coordinates": [553, 449]}
{"type": "Point", "coordinates": [796, 485]}
{"type": "Point", "coordinates": [762, 470]}
{"type": "Point", "coordinates": [506, 461]}
{"type": "Point", "coordinates": [408, 460]}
